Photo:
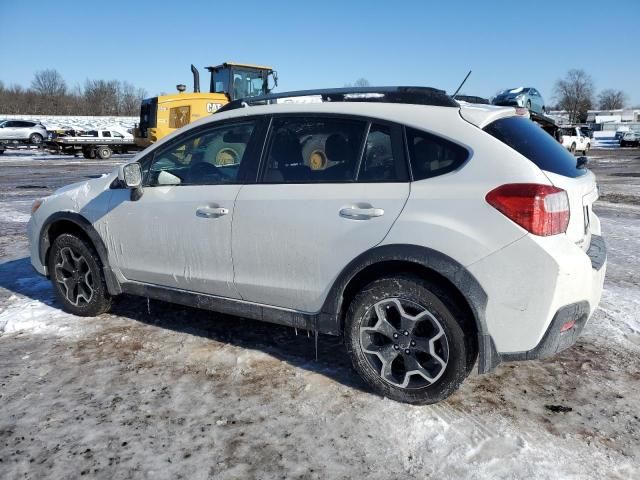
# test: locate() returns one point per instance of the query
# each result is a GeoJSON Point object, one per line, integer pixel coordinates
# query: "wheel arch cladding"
{"type": "Point", "coordinates": [76, 224]}
{"type": "Point", "coordinates": [425, 263]}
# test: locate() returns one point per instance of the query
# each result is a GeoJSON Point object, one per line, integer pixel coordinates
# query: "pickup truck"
{"type": "Point", "coordinates": [574, 140]}
{"type": "Point", "coordinates": [94, 143]}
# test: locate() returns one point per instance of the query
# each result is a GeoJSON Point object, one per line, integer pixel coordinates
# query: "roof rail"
{"type": "Point", "coordinates": [409, 95]}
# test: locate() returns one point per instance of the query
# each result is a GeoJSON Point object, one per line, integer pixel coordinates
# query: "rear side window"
{"type": "Point", "coordinates": [431, 155]}
{"type": "Point", "coordinates": [314, 150]}
{"type": "Point", "coordinates": [383, 160]}
{"type": "Point", "coordinates": [528, 139]}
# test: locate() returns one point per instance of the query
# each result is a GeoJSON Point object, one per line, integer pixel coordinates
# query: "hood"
{"type": "Point", "coordinates": [99, 181]}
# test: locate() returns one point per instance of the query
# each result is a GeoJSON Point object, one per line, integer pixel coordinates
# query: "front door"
{"type": "Point", "coordinates": [9, 131]}
{"type": "Point", "coordinates": [317, 207]}
{"type": "Point", "coordinates": [178, 234]}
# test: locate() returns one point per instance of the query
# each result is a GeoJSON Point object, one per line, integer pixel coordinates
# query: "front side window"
{"type": "Point", "coordinates": [106, 134]}
{"type": "Point", "coordinates": [380, 162]}
{"type": "Point", "coordinates": [211, 157]}
{"type": "Point", "coordinates": [431, 155]}
{"type": "Point", "coordinates": [247, 83]}
{"type": "Point", "coordinates": [313, 150]}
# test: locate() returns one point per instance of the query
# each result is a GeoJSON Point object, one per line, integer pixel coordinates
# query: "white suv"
{"type": "Point", "coordinates": [430, 235]}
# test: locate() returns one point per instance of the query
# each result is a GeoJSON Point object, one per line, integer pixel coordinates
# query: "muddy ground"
{"type": "Point", "coordinates": [154, 390]}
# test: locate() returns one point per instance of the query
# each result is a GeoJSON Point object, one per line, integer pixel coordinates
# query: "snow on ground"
{"type": "Point", "coordinates": [64, 122]}
{"type": "Point", "coordinates": [154, 390]}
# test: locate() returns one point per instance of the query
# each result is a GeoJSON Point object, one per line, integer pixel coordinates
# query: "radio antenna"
{"type": "Point", "coordinates": [463, 82]}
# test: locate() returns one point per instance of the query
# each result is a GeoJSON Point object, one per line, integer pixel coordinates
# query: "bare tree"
{"type": "Point", "coordinates": [611, 99]}
{"type": "Point", "coordinates": [361, 82]}
{"type": "Point", "coordinates": [49, 95]}
{"type": "Point", "coordinates": [49, 83]}
{"type": "Point", "coordinates": [575, 94]}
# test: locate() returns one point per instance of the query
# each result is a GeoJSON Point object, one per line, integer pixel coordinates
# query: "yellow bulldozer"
{"type": "Point", "coordinates": [161, 115]}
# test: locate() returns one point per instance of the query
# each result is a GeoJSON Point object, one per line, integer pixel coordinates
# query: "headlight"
{"type": "Point", "coordinates": [36, 205]}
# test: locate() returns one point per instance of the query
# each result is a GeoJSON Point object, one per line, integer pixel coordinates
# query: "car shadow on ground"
{"type": "Point", "coordinates": [294, 347]}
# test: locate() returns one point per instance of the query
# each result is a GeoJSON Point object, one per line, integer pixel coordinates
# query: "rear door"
{"type": "Point", "coordinates": [329, 190]}
{"type": "Point", "coordinates": [560, 166]}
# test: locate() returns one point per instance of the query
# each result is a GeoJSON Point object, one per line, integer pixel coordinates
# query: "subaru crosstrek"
{"type": "Point", "coordinates": [432, 236]}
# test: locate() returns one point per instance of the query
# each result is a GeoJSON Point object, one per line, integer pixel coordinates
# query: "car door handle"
{"type": "Point", "coordinates": [210, 212]}
{"type": "Point", "coordinates": [356, 213]}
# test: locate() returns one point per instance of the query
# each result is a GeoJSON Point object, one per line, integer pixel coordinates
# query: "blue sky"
{"type": "Point", "coordinates": [326, 43]}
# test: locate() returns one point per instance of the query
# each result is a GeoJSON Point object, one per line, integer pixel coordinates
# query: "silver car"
{"type": "Point", "coordinates": [527, 97]}
{"type": "Point", "coordinates": [24, 130]}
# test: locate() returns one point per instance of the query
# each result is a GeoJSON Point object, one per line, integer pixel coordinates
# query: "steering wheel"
{"type": "Point", "coordinates": [206, 170]}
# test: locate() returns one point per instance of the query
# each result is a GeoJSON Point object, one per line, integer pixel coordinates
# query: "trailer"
{"type": "Point", "coordinates": [94, 144]}
{"type": "Point", "coordinates": [548, 124]}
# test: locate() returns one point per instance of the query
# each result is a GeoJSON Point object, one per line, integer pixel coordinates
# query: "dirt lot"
{"type": "Point", "coordinates": [154, 390]}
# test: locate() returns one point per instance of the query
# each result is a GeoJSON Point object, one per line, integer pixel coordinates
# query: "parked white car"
{"type": "Point", "coordinates": [430, 235]}
{"type": "Point", "coordinates": [574, 140]}
{"type": "Point", "coordinates": [23, 130]}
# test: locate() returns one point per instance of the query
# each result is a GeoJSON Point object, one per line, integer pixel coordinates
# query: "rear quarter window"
{"type": "Point", "coordinates": [528, 139]}
{"type": "Point", "coordinates": [431, 155]}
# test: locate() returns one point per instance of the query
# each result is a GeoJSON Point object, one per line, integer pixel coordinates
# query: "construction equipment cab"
{"type": "Point", "coordinates": [161, 115]}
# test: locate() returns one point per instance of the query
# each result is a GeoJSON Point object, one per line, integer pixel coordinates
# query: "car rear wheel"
{"type": "Point", "coordinates": [77, 278]}
{"type": "Point", "coordinates": [405, 342]}
{"type": "Point", "coordinates": [35, 139]}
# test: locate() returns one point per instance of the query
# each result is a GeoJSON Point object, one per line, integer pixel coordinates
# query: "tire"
{"type": "Point", "coordinates": [35, 139]}
{"type": "Point", "coordinates": [89, 153]}
{"type": "Point", "coordinates": [76, 275]}
{"type": "Point", "coordinates": [544, 110]}
{"type": "Point", "coordinates": [431, 377]}
{"type": "Point", "coordinates": [529, 105]}
{"type": "Point", "coordinates": [586, 149]}
{"type": "Point", "coordinates": [104, 153]}
{"type": "Point", "coordinates": [572, 149]}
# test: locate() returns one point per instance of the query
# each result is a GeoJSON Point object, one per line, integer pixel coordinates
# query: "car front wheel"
{"type": "Point", "coordinates": [406, 342]}
{"type": "Point", "coordinates": [76, 275]}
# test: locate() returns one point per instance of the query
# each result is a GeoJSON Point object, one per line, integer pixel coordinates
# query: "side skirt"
{"type": "Point", "coordinates": [240, 308]}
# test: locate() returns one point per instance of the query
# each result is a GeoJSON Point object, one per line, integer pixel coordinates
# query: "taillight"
{"type": "Point", "coordinates": [540, 209]}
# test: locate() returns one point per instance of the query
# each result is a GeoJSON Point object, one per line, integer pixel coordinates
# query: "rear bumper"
{"type": "Point", "coordinates": [534, 287]}
{"type": "Point", "coordinates": [555, 340]}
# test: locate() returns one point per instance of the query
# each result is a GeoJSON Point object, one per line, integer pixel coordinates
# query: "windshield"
{"type": "Point", "coordinates": [248, 83]}
{"type": "Point", "coordinates": [528, 139]}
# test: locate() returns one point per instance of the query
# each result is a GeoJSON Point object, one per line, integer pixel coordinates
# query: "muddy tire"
{"type": "Point", "coordinates": [76, 275]}
{"type": "Point", "coordinates": [405, 341]}
{"type": "Point", "coordinates": [104, 153]}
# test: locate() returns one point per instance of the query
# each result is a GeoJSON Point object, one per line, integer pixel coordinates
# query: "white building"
{"type": "Point", "coordinates": [621, 115]}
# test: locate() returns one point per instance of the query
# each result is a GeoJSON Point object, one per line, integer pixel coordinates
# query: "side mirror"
{"type": "Point", "coordinates": [130, 175]}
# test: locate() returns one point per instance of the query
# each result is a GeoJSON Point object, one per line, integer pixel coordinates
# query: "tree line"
{"type": "Point", "coordinates": [576, 94]}
{"type": "Point", "coordinates": [49, 94]}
